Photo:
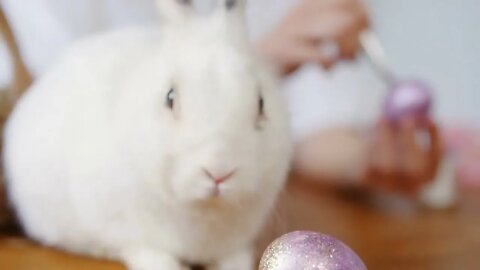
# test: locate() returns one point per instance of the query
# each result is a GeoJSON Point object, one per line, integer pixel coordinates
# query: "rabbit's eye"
{"type": "Point", "coordinates": [170, 99]}
{"type": "Point", "coordinates": [261, 105]}
{"type": "Point", "coordinates": [261, 113]}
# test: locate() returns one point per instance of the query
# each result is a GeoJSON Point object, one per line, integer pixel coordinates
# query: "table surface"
{"type": "Point", "coordinates": [387, 236]}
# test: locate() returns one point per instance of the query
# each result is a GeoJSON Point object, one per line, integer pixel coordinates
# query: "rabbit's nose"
{"type": "Point", "coordinates": [219, 177]}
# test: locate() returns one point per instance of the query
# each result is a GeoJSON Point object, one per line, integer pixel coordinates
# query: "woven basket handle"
{"type": "Point", "coordinates": [21, 77]}
{"type": "Point", "coordinates": [20, 82]}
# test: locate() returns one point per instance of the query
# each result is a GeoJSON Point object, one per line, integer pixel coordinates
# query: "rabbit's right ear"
{"type": "Point", "coordinates": [175, 11]}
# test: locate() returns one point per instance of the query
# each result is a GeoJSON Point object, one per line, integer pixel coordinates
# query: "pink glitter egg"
{"type": "Point", "coordinates": [410, 98]}
{"type": "Point", "coordinates": [304, 250]}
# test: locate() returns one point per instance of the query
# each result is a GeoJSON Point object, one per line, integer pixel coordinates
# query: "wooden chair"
{"type": "Point", "coordinates": [8, 97]}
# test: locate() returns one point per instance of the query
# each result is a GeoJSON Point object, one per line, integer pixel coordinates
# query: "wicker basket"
{"type": "Point", "coordinates": [21, 80]}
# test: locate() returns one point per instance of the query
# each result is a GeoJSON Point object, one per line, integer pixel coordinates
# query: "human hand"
{"type": "Point", "coordinates": [398, 161]}
{"type": "Point", "coordinates": [334, 25]}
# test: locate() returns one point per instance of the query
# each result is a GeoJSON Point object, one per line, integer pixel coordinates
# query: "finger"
{"type": "Point", "coordinates": [296, 53]}
{"type": "Point", "coordinates": [333, 24]}
{"type": "Point", "coordinates": [350, 39]}
{"type": "Point", "coordinates": [323, 55]}
{"type": "Point", "coordinates": [381, 178]}
{"type": "Point", "coordinates": [349, 45]}
{"type": "Point", "coordinates": [330, 25]}
{"type": "Point", "coordinates": [363, 18]}
{"type": "Point", "coordinates": [373, 173]}
{"type": "Point", "coordinates": [383, 158]}
{"type": "Point", "coordinates": [412, 156]}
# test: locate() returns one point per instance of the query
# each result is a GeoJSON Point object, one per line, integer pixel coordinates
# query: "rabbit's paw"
{"type": "Point", "coordinates": [242, 260]}
{"type": "Point", "coordinates": [145, 259]}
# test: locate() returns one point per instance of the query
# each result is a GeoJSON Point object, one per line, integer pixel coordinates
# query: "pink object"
{"type": "Point", "coordinates": [413, 98]}
{"type": "Point", "coordinates": [306, 250]}
{"type": "Point", "coordinates": [468, 173]}
{"type": "Point", "coordinates": [465, 144]}
{"type": "Point", "coordinates": [410, 98]}
{"type": "Point", "coordinates": [405, 98]}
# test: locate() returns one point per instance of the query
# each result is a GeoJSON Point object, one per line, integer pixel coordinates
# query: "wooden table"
{"type": "Point", "coordinates": [387, 238]}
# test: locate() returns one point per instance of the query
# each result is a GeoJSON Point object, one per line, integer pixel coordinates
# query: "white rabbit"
{"type": "Point", "coordinates": [158, 148]}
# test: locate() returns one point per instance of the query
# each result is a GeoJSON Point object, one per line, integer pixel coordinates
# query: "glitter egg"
{"type": "Point", "coordinates": [411, 98]}
{"type": "Point", "coordinates": [304, 250]}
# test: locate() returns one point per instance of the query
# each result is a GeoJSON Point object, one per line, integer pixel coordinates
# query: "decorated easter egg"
{"type": "Point", "coordinates": [411, 98]}
{"type": "Point", "coordinates": [305, 250]}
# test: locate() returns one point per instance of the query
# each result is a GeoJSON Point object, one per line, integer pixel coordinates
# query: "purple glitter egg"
{"type": "Point", "coordinates": [408, 99]}
{"type": "Point", "coordinates": [303, 250]}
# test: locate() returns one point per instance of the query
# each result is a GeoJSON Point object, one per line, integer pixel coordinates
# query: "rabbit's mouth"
{"type": "Point", "coordinates": [215, 193]}
{"type": "Point", "coordinates": [208, 195]}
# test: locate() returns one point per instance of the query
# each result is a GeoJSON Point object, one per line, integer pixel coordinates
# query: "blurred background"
{"type": "Point", "coordinates": [439, 41]}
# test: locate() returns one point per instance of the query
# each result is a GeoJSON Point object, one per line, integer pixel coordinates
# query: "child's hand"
{"type": "Point", "coordinates": [398, 162]}
{"type": "Point", "coordinates": [299, 38]}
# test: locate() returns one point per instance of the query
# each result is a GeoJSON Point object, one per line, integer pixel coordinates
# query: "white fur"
{"type": "Point", "coordinates": [98, 164]}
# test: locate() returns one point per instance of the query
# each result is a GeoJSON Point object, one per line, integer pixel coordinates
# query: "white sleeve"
{"type": "Point", "coordinates": [40, 33]}
{"type": "Point", "coordinates": [350, 96]}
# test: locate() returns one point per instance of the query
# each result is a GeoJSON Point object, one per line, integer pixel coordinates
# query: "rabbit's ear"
{"type": "Point", "coordinates": [175, 11]}
{"type": "Point", "coordinates": [233, 9]}
{"type": "Point", "coordinates": [230, 16]}
{"type": "Point", "coordinates": [232, 5]}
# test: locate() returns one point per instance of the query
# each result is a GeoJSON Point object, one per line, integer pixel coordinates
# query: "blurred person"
{"type": "Point", "coordinates": [332, 101]}
{"type": "Point", "coordinates": [389, 157]}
